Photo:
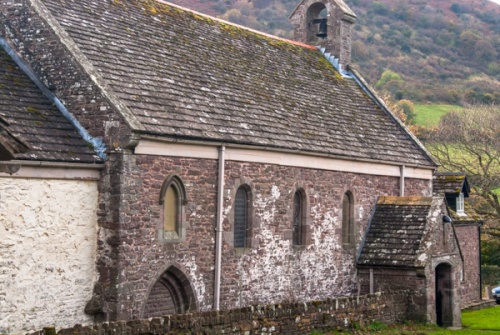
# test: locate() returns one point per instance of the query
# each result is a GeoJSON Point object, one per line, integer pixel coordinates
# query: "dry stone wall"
{"type": "Point", "coordinates": [47, 252]}
{"type": "Point", "coordinates": [286, 318]}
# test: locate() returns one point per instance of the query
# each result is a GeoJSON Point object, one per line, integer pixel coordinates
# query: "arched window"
{"type": "Point", "coordinates": [171, 209]}
{"type": "Point", "coordinates": [348, 219]}
{"type": "Point", "coordinates": [241, 218]}
{"type": "Point", "coordinates": [172, 200]}
{"type": "Point", "coordinates": [298, 218]}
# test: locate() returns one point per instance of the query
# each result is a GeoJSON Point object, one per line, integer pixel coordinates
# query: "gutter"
{"type": "Point", "coordinates": [218, 228]}
{"type": "Point", "coordinates": [97, 143]}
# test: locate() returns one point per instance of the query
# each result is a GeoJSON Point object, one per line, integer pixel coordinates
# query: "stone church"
{"type": "Point", "coordinates": [161, 161]}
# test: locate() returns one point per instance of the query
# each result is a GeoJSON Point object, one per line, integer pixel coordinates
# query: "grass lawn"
{"type": "Point", "coordinates": [481, 322]}
{"type": "Point", "coordinates": [429, 115]}
{"type": "Point", "coordinates": [485, 319]}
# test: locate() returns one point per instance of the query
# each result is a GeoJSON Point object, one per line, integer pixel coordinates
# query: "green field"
{"type": "Point", "coordinates": [481, 322]}
{"type": "Point", "coordinates": [429, 115]}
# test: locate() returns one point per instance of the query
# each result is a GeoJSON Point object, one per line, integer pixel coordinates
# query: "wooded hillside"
{"type": "Point", "coordinates": [444, 51]}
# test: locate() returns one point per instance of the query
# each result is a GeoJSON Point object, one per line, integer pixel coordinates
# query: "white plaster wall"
{"type": "Point", "coordinates": [47, 252]}
{"type": "Point", "coordinates": [275, 272]}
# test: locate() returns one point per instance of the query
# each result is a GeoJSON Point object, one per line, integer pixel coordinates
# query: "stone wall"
{"type": "Point", "coordinates": [47, 252]}
{"type": "Point", "coordinates": [399, 279]}
{"type": "Point", "coordinates": [272, 270]}
{"type": "Point", "coordinates": [468, 238]}
{"type": "Point", "coordinates": [286, 318]}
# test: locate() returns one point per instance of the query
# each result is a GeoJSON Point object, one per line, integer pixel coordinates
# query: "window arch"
{"type": "Point", "coordinates": [171, 294]}
{"type": "Point", "coordinates": [172, 201]}
{"type": "Point", "coordinates": [242, 222]}
{"type": "Point", "coordinates": [299, 218]}
{"type": "Point", "coordinates": [348, 219]}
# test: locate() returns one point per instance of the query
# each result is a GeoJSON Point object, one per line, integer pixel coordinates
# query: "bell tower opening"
{"type": "Point", "coordinates": [317, 22]}
{"type": "Point", "coordinates": [327, 24]}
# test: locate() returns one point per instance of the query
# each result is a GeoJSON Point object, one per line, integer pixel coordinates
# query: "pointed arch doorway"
{"type": "Point", "coordinates": [171, 294]}
{"type": "Point", "coordinates": [444, 299]}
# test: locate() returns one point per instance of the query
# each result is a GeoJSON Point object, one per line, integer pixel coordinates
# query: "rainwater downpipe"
{"type": "Point", "coordinates": [218, 227]}
{"type": "Point", "coordinates": [372, 282]}
{"type": "Point", "coordinates": [402, 181]}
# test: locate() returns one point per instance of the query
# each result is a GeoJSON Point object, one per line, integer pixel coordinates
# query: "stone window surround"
{"type": "Point", "coordinates": [348, 242]}
{"type": "Point", "coordinates": [253, 242]}
{"type": "Point", "coordinates": [306, 218]}
{"type": "Point", "coordinates": [253, 222]}
{"type": "Point", "coordinates": [180, 234]}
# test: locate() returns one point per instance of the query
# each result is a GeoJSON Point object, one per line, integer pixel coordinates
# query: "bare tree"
{"type": "Point", "coordinates": [468, 140]}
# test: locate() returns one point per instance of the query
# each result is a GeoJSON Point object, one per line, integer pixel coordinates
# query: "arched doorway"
{"type": "Point", "coordinates": [444, 299]}
{"type": "Point", "coordinates": [171, 294]}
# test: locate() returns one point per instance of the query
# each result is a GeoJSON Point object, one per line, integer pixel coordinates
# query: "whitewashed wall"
{"type": "Point", "coordinates": [47, 252]}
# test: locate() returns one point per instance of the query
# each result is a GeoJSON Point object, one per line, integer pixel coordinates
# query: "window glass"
{"type": "Point", "coordinates": [460, 203]}
{"type": "Point", "coordinates": [240, 218]}
{"type": "Point", "coordinates": [297, 218]}
{"type": "Point", "coordinates": [170, 204]}
{"type": "Point", "coordinates": [347, 219]}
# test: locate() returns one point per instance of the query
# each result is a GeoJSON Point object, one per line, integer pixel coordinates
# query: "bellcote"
{"type": "Point", "coordinates": [327, 24]}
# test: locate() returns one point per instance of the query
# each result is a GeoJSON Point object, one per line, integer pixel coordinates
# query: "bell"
{"type": "Point", "coordinates": [322, 28]}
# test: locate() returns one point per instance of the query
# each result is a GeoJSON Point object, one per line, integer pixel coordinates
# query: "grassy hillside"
{"type": "Point", "coordinates": [429, 115]}
{"type": "Point", "coordinates": [444, 51]}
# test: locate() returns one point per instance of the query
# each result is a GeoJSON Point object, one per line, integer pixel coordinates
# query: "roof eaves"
{"type": "Point", "coordinates": [409, 200]}
{"type": "Point", "coordinates": [221, 21]}
{"type": "Point", "coordinates": [158, 136]}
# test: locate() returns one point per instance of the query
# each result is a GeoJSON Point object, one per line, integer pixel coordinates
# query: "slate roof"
{"type": "Point", "coordinates": [395, 232]}
{"type": "Point", "coordinates": [450, 182]}
{"type": "Point", "coordinates": [32, 120]}
{"type": "Point", "coordinates": [9, 144]}
{"type": "Point", "coordinates": [188, 76]}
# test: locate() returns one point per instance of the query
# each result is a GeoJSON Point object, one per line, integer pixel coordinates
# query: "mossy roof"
{"type": "Point", "coordinates": [34, 123]}
{"type": "Point", "coordinates": [188, 76]}
{"type": "Point", "coordinates": [450, 183]}
{"type": "Point", "coordinates": [396, 231]}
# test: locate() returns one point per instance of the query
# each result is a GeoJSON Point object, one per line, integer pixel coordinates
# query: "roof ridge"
{"type": "Point", "coordinates": [238, 25]}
